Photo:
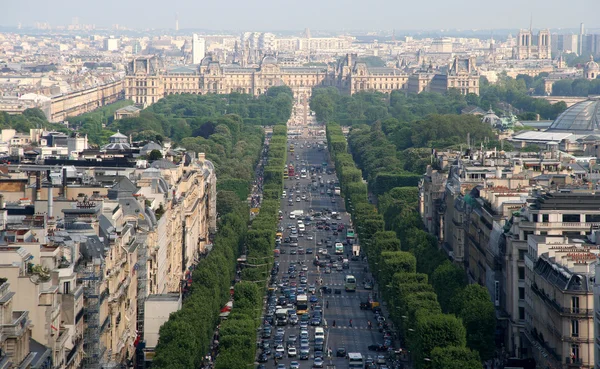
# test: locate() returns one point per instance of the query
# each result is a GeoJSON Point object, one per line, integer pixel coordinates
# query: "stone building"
{"type": "Point", "coordinates": [147, 82]}
{"type": "Point", "coordinates": [591, 70]}
{"type": "Point", "coordinates": [530, 47]}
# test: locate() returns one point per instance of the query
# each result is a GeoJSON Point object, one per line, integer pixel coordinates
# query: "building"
{"type": "Point", "coordinates": [147, 82]}
{"type": "Point", "coordinates": [559, 313]}
{"type": "Point", "coordinates": [111, 44]}
{"type": "Point", "coordinates": [530, 47]}
{"type": "Point", "coordinates": [130, 111]}
{"type": "Point", "coordinates": [591, 70]}
{"type": "Point", "coordinates": [198, 49]}
{"type": "Point", "coordinates": [15, 331]}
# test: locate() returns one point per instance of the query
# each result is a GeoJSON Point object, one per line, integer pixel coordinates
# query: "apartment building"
{"type": "Point", "coordinates": [97, 244]}
{"type": "Point", "coordinates": [559, 313]}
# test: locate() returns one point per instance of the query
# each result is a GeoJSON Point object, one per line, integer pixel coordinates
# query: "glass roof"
{"type": "Point", "coordinates": [580, 118]}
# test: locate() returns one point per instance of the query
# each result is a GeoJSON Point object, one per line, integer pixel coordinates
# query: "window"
{"type": "Point", "coordinates": [575, 352]}
{"type": "Point", "coordinates": [521, 313]}
{"type": "Point", "coordinates": [575, 304]}
{"type": "Point", "coordinates": [571, 218]}
{"type": "Point", "coordinates": [66, 287]}
{"type": "Point", "coordinates": [522, 254]}
{"type": "Point", "coordinates": [592, 218]}
{"type": "Point", "coordinates": [521, 272]}
{"type": "Point", "coordinates": [521, 293]}
{"type": "Point", "coordinates": [574, 328]}
{"type": "Point", "coordinates": [545, 218]}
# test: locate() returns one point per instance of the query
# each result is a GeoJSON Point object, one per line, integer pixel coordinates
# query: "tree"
{"type": "Point", "coordinates": [155, 155]}
{"type": "Point", "coordinates": [431, 331]}
{"type": "Point", "coordinates": [448, 279]}
{"type": "Point", "coordinates": [453, 357]}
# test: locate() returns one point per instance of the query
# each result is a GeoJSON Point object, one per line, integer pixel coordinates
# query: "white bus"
{"type": "Point", "coordinates": [350, 283]}
{"type": "Point", "coordinates": [355, 360]}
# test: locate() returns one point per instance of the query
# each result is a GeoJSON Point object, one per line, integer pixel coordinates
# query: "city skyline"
{"type": "Point", "coordinates": [270, 15]}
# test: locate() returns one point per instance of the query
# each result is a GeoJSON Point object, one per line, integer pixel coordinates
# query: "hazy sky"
{"type": "Point", "coordinates": [315, 14]}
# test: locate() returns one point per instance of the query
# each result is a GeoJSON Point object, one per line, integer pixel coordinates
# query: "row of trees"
{"type": "Point", "coordinates": [31, 118]}
{"type": "Point", "coordinates": [187, 336]}
{"type": "Point", "coordinates": [238, 333]}
{"type": "Point", "coordinates": [187, 115]}
{"type": "Point", "coordinates": [403, 259]}
{"type": "Point", "coordinates": [368, 107]}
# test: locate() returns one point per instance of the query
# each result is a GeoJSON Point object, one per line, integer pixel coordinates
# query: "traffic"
{"type": "Point", "coordinates": [322, 309]}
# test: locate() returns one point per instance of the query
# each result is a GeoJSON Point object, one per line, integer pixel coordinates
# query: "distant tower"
{"type": "Point", "coordinates": [198, 49]}
{"type": "Point", "coordinates": [307, 32]}
{"type": "Point", "coordinates": [176, 22]}
{"type": "Point", "coordinates": [581, 33]}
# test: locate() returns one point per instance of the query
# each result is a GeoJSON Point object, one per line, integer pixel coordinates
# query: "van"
{"type": "Point", "coordinates": [301, 227]}
{"type": "Point", "coordinates": [319, 333]}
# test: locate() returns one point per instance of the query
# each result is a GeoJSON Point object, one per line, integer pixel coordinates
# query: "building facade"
{"type": "Point", "coordinates": [147, 81]}
{"type": "Point", "coordinates": [530, 46]}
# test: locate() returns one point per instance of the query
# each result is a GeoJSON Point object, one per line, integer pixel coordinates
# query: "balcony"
{"type": "Point", "coordinates": [585, 313]}
{"type": "Point", "coordinates": [555, 225]}
{"type": "Point", "coordinates": [17, 327]}
{"type": "Point", "coordinates": [576, 362]}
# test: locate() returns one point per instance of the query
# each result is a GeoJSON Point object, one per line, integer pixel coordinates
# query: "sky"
{"type": "Point", "coordinates": [274, 15]}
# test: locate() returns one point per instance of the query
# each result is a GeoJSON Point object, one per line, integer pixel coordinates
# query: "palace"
{"type": "Point", "coordinates": [147, 81]}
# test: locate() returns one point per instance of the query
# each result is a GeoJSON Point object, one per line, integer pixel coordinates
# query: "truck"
{"type": "Point", "coordinates": [355, 251]}
{"type": "Point", "coordinates": [297, 213]}
{"type": "Point", "coordinates": [337, 190]}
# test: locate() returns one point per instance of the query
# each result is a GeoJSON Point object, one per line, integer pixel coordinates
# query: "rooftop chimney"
{"type": "Point", "coordinates": [50, 201]}
{"type": "Point", "coordinates": [201, 157]}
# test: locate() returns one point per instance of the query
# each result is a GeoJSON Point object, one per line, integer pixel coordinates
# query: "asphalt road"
{"type": "Point", "coordinates": [342, 307]}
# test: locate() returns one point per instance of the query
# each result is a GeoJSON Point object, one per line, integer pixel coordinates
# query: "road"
{"type": "Point", "coordinates": [342, 307]}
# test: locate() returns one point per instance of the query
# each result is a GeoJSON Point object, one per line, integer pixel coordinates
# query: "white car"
{"type": "Point", "coordinates": [280, 349]}
{"type": "Point", "coordinates": [303, 197]}
{"type": "Point", "coordinates": [309, 237]}
{"type": "Point", "coordinates": [297, 199]}
{"type": "Point", "coordinates": [292, 351]}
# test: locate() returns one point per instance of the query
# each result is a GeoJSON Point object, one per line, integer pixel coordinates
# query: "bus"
{"type": "Point", "coordinates": [350, 283]}
{"type": "Point", "coordinates": [291, 170]}
{"type": "Point", "coordinates": [339, 248]}
{"type": "Point", "coordinates": [301, 304]}
{"type": "Point", "coordinates": [355, 360]}
{"type": "Point", "coordinates": [350, 235]}
{"type": "Point", "coordinates": [285, 174]}
{"type": "Point", "coordinates": [291, 147]}
{"type": "Point", "coordinates": [281, 315]}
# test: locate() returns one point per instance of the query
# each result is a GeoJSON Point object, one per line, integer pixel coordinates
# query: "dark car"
{"type": "Point", "coordinates": [341, 352]}
{"type": "Point", "coordinates": [263, 358]}
{"type": "Point", "coordinates": [377, 347]}
{"type": "Point", "coordinates": [309, 250]}
{"type": "Point", "coordinates": [326, 289]}
{"type": "Point", "coordinates": [338, 291]}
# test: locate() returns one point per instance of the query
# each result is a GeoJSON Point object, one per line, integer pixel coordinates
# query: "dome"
{"type": "Point", "coordinates": [490, 118]}
{"type": "Point", "coordinates": [147, 149]}
{"type": "Point", "coordinates": [269, 60]}
{"type": "Point", "coordinates": [592, 65]}
{"type": "Point", "coordinates": [117, 146]}
{"type": "Point", "coordinates": [581, 118]}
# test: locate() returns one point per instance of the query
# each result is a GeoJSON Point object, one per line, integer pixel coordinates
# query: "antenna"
{"type": "Point", "coordinates": [531, 23]}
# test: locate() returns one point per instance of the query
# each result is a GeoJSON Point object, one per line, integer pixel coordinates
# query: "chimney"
{"type": "Point", "coordinates": [1, 201]}
{"type": "Point", "coordinates": [50, 201]}
{"type": "Point", "coordinates": [64, 183]}
{"type": "Point", "coordinates": [201, 157]}
{"type": "Point", "coordinates": [38, 183]}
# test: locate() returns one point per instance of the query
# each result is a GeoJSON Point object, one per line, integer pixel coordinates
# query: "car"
{"type": "Point", "coordinates": [293, 252]}
{"type": "Point", "coordinates": [309, 250]}
{"type": "Point", "coordinates": [340, 352]}
{"type": "Point", "coordinates": [303, 325]}
{"type": "Point", "coordinates": [312, 288]}
{"type": "Point", "coordinates": [304, 353]}
{"type": "Point", "coordinates": [338, 291]}
{"type": "Point", "coordinates": [313, 299]}
{"type": "Point", "coordinates": [261, 366]}
{"type": "Point", "coordinates": [294, 319]}
{"type": "Point", "coordinates": [301, 251]}
{"type": "Point", "coordinates": [378, 347]}
{"type": "Point", "coordinates": [304, 267]}
{"type": "Point", "coordinates": [315, 321]}
{"type": "Point", "coordinates": [292, 351]}
{"type": "Point", "coordinates": [326, 289]}
{"type": "Point", "coordinates": [281, 366]}
{"type": "Point", "coordinates": [310, 237]}
{"type": "Point", "coordinates": [380, 360]}
{"type": "Point", "coordinates": [279, 348]}
{"type": "Point", "coordinates": [328, 270]}
{"type": "Point", "coordinates": [278, 355]}
{"type": "Point", "coordinates": [333, 200]}
{"type": "Point", "coordinates": [294, 365]}
{"type": "Point", "coordinates": [318, 363]}
{"type": "Point", "coordinates": [298, 199]}
{"type": "Point", "coordinates": [263, 358]}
